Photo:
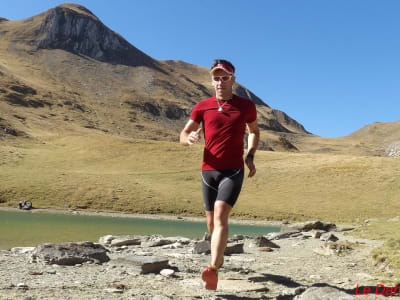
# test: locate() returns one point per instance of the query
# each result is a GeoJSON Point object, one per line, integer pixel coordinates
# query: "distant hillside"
{"type": "Point", "coordinates": [64, 71]}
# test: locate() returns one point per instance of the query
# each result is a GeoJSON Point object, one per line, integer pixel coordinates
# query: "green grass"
{"type": "Point", "coordinates": [387, 257]}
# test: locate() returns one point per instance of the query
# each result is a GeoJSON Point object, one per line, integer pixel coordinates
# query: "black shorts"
{"type": "Point", "coordinates": [224, 185]}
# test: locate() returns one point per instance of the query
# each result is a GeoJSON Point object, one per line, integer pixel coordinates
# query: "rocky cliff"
{"type": "Point", "coordinates": [74, 28]}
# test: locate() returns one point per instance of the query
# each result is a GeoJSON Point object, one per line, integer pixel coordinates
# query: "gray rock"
{"type": "Point", "coordinates": [323, 293]}
{"type": "Point", "coordinates": [127, 240]}
{"type": "Point", "coordinates": [281, 235]}
{"type": "Point", "coordinates": [329, 237]}
{"type": "Point", "coordinates": [173, 246]}
{"type": "Point", "coordinates": [114, 291]}
{"type": "Point", "coordinates": [143, 264]}
{"type": "Point", "coordinates": [316, 234]}
{"type": "Point", "coordinates": [262, 241]}
{"type": "Point", "coordinates": [22, 286]}
{"type": "Point", "coordinates": [179, 239]}
{"type": "Point", "coordinates": [158, 243]}
{"type": "Point", "coordinates": [70, 253]}
{"type": "Point", "coordinates": [234, 248]}
{"type": "Point", "coordinates": [22, 250]}
{"type": "Point", "coordinates": [310, 225]}
{"type": "Point", "coordinates": [206, 236]}
{"type": "Point", "coordinates": [324, 250]}
{"type": "Point", "coordinates": [237, 237]}
{"type": "Point", "coordinates": [106, 240]}
{"type": "Point", "coordinates": [342, 228]}
{"type": "Point", "coordinates": [202, 247]}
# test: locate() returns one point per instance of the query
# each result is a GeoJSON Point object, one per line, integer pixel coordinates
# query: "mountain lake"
{"type": "Point", "coordinates": [23, 229]}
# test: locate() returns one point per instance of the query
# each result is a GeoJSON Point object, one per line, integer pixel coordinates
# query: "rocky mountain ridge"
{"type": "Point", "coordinates": [64, 69]}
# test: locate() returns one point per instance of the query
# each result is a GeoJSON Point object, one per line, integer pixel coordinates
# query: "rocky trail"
{"type": "Point", "coordinates": [307, 261]}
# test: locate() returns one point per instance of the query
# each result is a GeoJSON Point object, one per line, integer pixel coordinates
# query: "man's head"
{"type": "Point", "coordinates": [222, 74]}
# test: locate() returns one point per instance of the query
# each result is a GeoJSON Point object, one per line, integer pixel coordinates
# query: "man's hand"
{"type": "Point", "coordinates": [194, 136]}
{"type": "Point", "coordinates": [250, 164]}
{"type": "Point", "coordinates": [190, 134]}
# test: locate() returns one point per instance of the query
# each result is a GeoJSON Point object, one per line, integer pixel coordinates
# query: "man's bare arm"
{"type": "Point", "coordinates": [190, 134]}
{"type": "Point", "coordinates": [252, 144]}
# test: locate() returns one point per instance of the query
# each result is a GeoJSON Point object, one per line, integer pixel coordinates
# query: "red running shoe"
{"type": "Point", "coordinates": [210, 277]}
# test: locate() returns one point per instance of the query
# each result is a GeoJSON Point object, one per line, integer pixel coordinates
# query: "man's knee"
{"type": "Point", "coordinates": [221, 219]}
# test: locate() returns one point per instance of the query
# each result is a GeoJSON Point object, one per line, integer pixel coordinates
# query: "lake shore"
{"type": "Point", "coordinates": [141, 216]}
{"type": "Point", "coordinates": [297, 265]}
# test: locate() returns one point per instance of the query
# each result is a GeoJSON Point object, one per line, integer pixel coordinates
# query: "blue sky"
{"type": "Point", "coordinates": [334, 66]}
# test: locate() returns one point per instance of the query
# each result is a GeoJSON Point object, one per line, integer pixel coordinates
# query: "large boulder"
{"type": "Point", "coordinates": [70, 253]}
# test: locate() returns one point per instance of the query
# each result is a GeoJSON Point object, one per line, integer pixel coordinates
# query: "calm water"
{"type": "Point", "coordinates": [31, 229]}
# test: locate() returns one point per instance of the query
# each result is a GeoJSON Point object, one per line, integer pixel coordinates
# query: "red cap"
{"type": "Point", "coordinates": [222, 67]}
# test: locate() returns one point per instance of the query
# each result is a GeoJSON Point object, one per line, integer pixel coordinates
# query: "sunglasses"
{"type": "Point", "coordinates": [222, 78]}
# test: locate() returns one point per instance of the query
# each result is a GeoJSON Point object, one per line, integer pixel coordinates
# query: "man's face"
{"type": "Point", "coordinates": [223, 89]}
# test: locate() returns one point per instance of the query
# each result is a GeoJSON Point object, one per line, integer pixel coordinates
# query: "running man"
{"type": "Point", "coordinates": [224, 119]}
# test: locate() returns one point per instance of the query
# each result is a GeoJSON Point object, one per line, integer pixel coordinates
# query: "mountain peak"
{"type": "Point", "coordinates": [78, 9]}
{"type": "Point", "coordinates": [76, 29]}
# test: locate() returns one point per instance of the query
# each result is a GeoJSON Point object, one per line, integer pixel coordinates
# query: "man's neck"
{"type": "Point", "coordinates": [225, 98]}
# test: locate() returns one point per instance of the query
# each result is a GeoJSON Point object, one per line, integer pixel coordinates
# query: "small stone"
{"type": "Point", "coordinates": [237, 237]}
{"type": "Point", "coordinates": [299, 290]}
{"type": "Point", "coordinates": [316, 234]}
{"type": "Point", "coordinates": [106, 240]}
{"type": "Point", "coordinates": [114, 291]}
{"type": "Point", "coordinates": [266, 249]}
{"type": "Point", "coordinates": [22, 286]}
{"type": "Point", "coordinates": [329, 237]}
{"type": "Point", "coordinates": [167, 272]}
{"type": "Point", "coordinates": [35, 273]}
{"type": "Point", "coordinates": [206, 236]}
{"type": "Point", "coordinates": [119, 286]}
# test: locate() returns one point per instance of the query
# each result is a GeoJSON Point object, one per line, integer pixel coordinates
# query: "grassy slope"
{"type": "Point", "coordinates": [110, 173]}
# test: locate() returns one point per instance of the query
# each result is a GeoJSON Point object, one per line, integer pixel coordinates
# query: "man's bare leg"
{"type": "Point", "coordinates": [220, 233]}
{"type": "Point", "coordinates": [210, 221]}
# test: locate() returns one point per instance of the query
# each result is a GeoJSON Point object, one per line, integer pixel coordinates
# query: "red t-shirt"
{"type": "Point", "coordinates": [224, 131]}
